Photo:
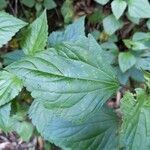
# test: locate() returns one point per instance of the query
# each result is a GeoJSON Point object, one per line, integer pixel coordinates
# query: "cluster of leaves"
{"type": "Point", "coordinates": [70, 79]}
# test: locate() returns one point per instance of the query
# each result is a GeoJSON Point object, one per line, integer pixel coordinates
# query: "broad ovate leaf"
{"type": "Point", "coordinates": [126, 61]}
{"type": "Point", "coordinates": [72, 82]}
{"type": "Point", "coordinates": [98, 132]}
{"type": "Point", "coordinates": [135, 129]}
{"type": "Point", "coordinates": [118, 7]}
{"type": "Point", "coordinates": [139, 8]}
{"type": "Point", "coordinates": [10, 86]}
{"type": "Point", "coordinates": [111, 24]}
{"type": "Point", "coordinates": [71, 33]}
{"type": "Point", "coordinates": [9, 26]}
{"type": "Point", "coordinates": [35, 38]}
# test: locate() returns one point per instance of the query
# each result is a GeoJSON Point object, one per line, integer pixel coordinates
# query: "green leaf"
{"type": "Point", "coordinates": [49, 4]}
{"type": "Point", "coordinates": [143, 63]}
{"type": "Point", "coordinates": [67, 11]}
{"type": "Point", "coordinates": [141, 36]}
{"type": "Point", "coordinates": [147, 79]}
{"type": "Point", "coordinates": [136, 74]}
{"type": "Point", "coordinates": [72, 81]}
{"type": "Point", "coordinates": [139, 8]}
{"type": "Point", "coordinates": [5, 117]}
{"type": "Point", "coordinates": [133, 19]}
{"type": "Point", "coordinates": [28, 3]}
{"type": "Point", "coordinates": [126, 61]}
{"type": "Point", "coordinates": [24, 129]}
{"type": "Point", "coordinates": [36, 36]}
{"type": "Point", "coordinates": [90, 134]}
{"type": "Point", "coordinates": [81, 44]}
{"type": "Point", "coordinates": [38, 8]}
{"type": "Point", "coordinates": [96, 17]}
{"type": "Point", "coordinates": [111, 24]}
{"type": "Point", "coordinates": [137, 45]}
{"type": "Point", "coordinates": [118, 7]}
{"type": "Point", "coordinates": [10, 86]}
{"type": "Point", "coordinates": [71, 33]}
{"type": "Point", "coordinates": [133, 73]}
{"type": "Point", "coordinates": [135, 130]}
{"type": "Point", "coordinates": [9, 26]}
{"type": "Point", "coordinates": [10, 123]}
{"type": "Point", "coordinates": [12, 56]}
{"type": "Point", "coordinates": [139, 42]}
{"type": "Point", "coordinates": [102, 2]}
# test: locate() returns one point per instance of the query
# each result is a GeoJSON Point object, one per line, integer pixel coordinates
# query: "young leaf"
{"type": "Point", "coordinates": [28, 3]}
{"type": "Point", "coordinates": [90, 134]}
{"type": "Point", "coordinates": [139, 8]}
{"type": "Point", "coordinates": [71, 33]}
{"type": "Point", "coordinates": [10, 86]}
{"type": "Point", "coordinates": [73, 84]}
{"type": "Point", "coordinates": [137, 45]}
{"type": "Point", "coordinates": [135, 130]}
{"type": "Point", "coordinates": [36, 36]}
{"type": "Point", "coordinates": [118, 7]}
{"type": "Point", "coordinates": [67, 11]}
{"type": "Point", "coordinates": [49, 4]}
{"type": "Point", "coordinates": [9, 26]}
{"type": "Point", "coordinates": [111, 24]}
{"type": "Point", "coordinates": [126, 61]}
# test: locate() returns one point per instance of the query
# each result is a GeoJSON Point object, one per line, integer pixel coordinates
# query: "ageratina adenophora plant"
{"type": "Point", "coordinates": [82, 99]}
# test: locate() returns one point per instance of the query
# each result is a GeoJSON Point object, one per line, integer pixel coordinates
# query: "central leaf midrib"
{"type": "Point", "coordinates": [58, 75]}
